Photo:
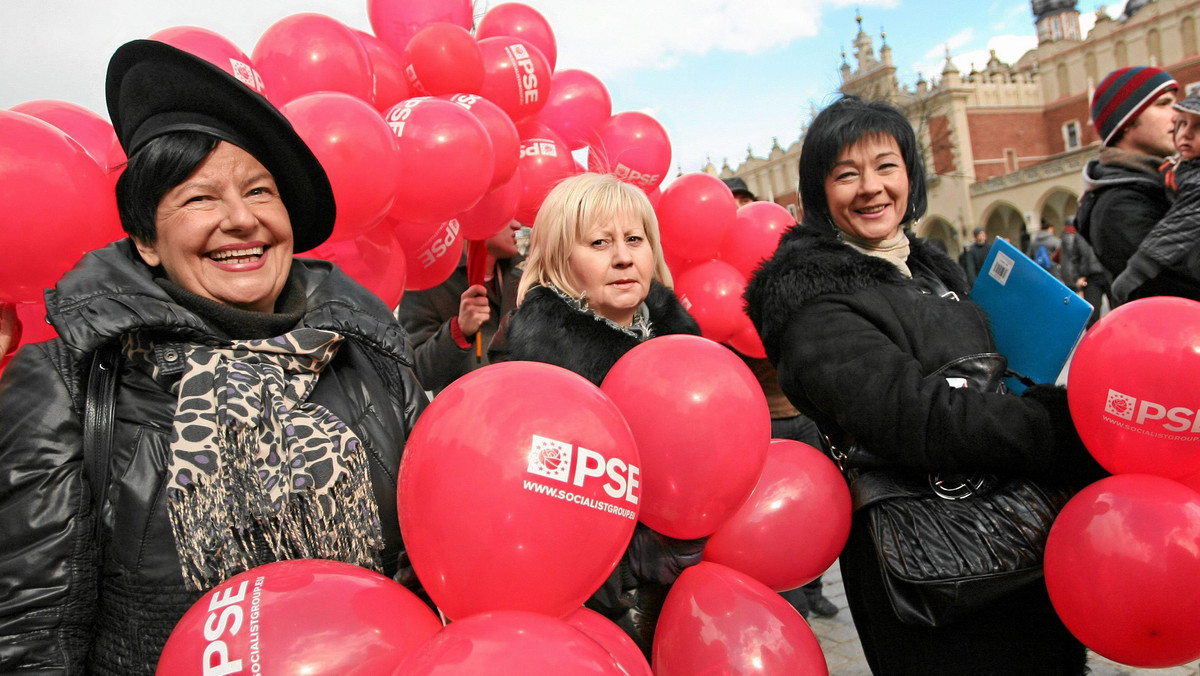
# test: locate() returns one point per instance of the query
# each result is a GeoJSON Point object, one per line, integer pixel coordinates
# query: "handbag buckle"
{"type": "Point", "coordinates": [958, 486]}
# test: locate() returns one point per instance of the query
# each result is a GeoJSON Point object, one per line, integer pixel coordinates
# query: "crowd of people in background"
{"type": "Point", "coordinates": [857, 316]}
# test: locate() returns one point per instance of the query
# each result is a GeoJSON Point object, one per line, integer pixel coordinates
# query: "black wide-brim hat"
{"type": "Point", "coordinates": [155, 89]}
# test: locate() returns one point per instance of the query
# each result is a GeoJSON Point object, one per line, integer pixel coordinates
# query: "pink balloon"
{"type": "Point", "coordinates": [494, 211]}
{"type": "Point", "coordinates": [634, 146]}
{"type": "Point", "coordinates": [311, 52]}
{"type": "Point", "coordinates": [374, 259]}
{"type": "Point", "coordinates": [431, 250]}
{"type": "Point", "coordinates": [358, 151]}
{"type": "Point", "coordinates": [719, 621]}
{"type": "Point", "coordinates": [446, 159]}
{"type": "Point", "coordinates": [1126, 537]}
{"type": "Point", "coordinates": [215, 49]}
{"type": "Point", "coordinates": [794, 524]}
{"type": "Point", "coordinates": [443, 59]}
{"type": "Point", "coordinates": [695, 213]}
{"type": "Point", "coordinates": [545, 160]}
{"type": "Point", "coordinates": [747, 341]}
{"type": "Point", "coordinates": [506, 145]}
{"type": "Point", "coordinates": [1132, 393]}
{"type": "Point", "coordinates": [755, 236]}
{"type": "Point", "coordinates": [513, 19]}
{"type": "Point", "coordinates": [508, 642]}
{"type": "Point", "coordinates": [395, 22]}
{"type": "Point", "coordinates": [83, 126]}
{"type": "Point", "coordinates": [387, 71]}
{"type": "Point", "coordinates": [530, 464]}
{"type": "Point", "coordinates": [579, 103]}
{"type": "Point", "coordinates": [702, 432]}
{"type": "Point", "coordinates": [614, 639]}
{"type": "Point", "coordinates": [516, 76]}
{"type": "Point", "coordinates": [299, 617]}
{"type": "Point", "coordinates": [712, 293]}
{"type": "Point", "coordinates": [58, 205]}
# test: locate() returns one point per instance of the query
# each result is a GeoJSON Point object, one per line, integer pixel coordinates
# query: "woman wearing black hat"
{"type": "Point", "coordinates": [261, 401]}
{"type": "Point", "coordinates": [860, 317]}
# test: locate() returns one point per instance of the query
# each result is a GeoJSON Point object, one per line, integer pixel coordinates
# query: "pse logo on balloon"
{"type": "Point", "coordinates": [528, 82]}
{"type": "Point", "coordinates": [442, 241]}
{"type": "Point", "coordinates": [634, 176]}
{"type": "Point", "coordinates": [1179, 418]}
{"type": "Point", "coordinates": [575, 466]}
{"type": "Point", "coordinates": [247, 74]}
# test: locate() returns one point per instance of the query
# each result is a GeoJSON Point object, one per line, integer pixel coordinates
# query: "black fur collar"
{"type": "Point", "coordinates": [811, 263]}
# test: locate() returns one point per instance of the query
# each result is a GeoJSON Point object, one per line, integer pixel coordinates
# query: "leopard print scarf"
{"type": "Point", "coordinates": [254, 466]}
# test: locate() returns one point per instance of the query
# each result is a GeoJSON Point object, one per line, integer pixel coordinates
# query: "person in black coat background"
{"type": "Point", "coordinates": [595, 286]}
{"type": "Point", "coordinates": [856, 313]}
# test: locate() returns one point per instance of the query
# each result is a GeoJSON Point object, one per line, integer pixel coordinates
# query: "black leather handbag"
{"type": "Point", "coordinates": [949, 546]}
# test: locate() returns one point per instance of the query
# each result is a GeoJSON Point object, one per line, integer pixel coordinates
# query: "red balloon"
{"type": "Point", "coordinates": [303, 616]}
{"type": "Point", "coordinates": [58, 205]}
{"type": "Point", "coordinates": [794, 524]}
{"type": "Point", "coordinates": [500, 128]}
{"type": "Point", "coordinates": [513, 19]}
{"type": "Point", "coordinates": [747, 341]}
{"type": "Point", "coordinates": [387, 71]}
{"type": "Point", "coordinates": [518, 471]}
{"type": "Point", "coordinates": [712, 293]}
{"type": "Point", "coordinates": [695, 213]}
{"type": "Point", "coordinates": [358, 151]}
{"type": "Point", "coordinates": [1122, 565]}
{"type": "Point", "coordinates": [311, 52]}
{"type": "Point", "coordinates": [516, 76]}
{"type": "Point", "coordinates": [10, 332]}
{"type": "Point", "coordinates": [634, 146]}
{"type": "Point", "coordinates": [446, 159]}
{"type": "Point", "coordinates": [215, 49]}
{"type": "Point", "coordinates": [83, 126]}
{"type": "Point", "coordinates": [719, 621]}
{"type": "Point", "coordinates": [702, 432]}
{"type": "Point", "coordinates": [1131, 388]}
{"type": "Point", "coordinates": [443, 59]}
{"type": "Point", "coordinates": [395, 22]}
{"type": "Point", "coordinates": [31, 317]}
{"type": "Point", "coordinates": [579, 103]}
{"type": "Point", "coordinates": [545, 160]}
{"type": "Point", "coordinates": [494, 211]}
{"type": "Point", "coordinates": [612, 638]}
{"type": "Point", "coordinates": [509, 642]}
{"type": "Point", "coordinates": [431, 250]}
{"type": "Point", "coordinates": [374, 259]}
{"type": "Point", "coordinates": [755, 236]}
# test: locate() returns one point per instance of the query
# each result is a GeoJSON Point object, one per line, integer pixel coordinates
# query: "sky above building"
{"type": "Point", "coordinates": [724, 77]}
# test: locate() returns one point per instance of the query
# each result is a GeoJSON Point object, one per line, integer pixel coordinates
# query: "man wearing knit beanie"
{"type": "Point", "coordinates": [1123, 192]}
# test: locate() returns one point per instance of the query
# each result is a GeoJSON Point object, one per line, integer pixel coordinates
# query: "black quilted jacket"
{"type": "Point", "coordinates": [68, 605]}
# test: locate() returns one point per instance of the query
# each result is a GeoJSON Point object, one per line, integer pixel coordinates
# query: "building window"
{"type": "Point", "coordinates": [1089, 65]}
{"type": "Point", "coordinates": [1121, 54]}
{"type": "Point", "coordinates": [1064, 82]}
{"type": "Point", "coordinates": [1187, 34]}
{"type": "Point", "coordinates": [1010, 159]}
{"type": "Point", "coordinates": [1070, 133]}
{"type": "Point", "coordinates": [1154, 46]}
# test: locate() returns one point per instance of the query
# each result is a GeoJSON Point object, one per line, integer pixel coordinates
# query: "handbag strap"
{"type": "Point", "coordinates": [99, 411]}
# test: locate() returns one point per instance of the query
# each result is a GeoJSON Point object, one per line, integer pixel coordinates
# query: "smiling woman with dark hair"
{"type": "Point", "coordinates": [212, 403]}
{"type": "Point", "coordinates": [860, 317]}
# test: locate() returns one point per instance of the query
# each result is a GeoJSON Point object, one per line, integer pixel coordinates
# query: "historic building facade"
{"type": "Point", "coordinates": [1005, 145]}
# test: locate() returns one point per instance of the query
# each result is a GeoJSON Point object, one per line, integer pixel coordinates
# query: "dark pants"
{"type": "Point", "coordinates": [1094, 293]}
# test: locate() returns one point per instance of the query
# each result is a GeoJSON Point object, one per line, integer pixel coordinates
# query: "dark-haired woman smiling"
{"type": "Point", "coordinates": [858, 315]}
{"type": "Point", "coordinates": [262, 401]}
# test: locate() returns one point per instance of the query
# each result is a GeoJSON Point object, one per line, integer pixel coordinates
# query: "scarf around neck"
{"type": "Point", "coordinates": [257, 472]}
{"type": "Point", "coordinates": [893, 250]}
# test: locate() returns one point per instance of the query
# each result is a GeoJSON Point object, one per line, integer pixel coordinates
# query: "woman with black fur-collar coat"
{"type": "Point", "coordinates": [857, 315]}
{"type": "Point", "coordinates": [594, 287]}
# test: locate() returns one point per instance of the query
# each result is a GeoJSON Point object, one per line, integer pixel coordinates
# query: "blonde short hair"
{"type": "Point", "coordinates": [570, 210]}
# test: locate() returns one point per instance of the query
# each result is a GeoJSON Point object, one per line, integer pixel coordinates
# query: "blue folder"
{"type": "Point", "coordinates": [1035, 319]}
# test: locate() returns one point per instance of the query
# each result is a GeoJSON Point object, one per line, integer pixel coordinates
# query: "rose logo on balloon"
{"type": "Point", "coordinates": [550, 458]}
{"type": "Point", "coordinates": [1120, 404]}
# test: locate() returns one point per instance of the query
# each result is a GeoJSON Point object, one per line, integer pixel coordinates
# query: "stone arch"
{"type": "Point", "coordinates": [940, 229]}
{"type": "Point", "coordinates": [1055, 207]}
{"type": "Point", "coordinates": [1003, 219]}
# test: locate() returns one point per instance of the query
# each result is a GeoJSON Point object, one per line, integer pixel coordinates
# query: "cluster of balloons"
{"type": "Point", "coordinates": [433, 130]}
{"type": "Point", "coordinates": [712, 248]}
{"type": "Point", "coordinates": [519, 491]}
{"type": "Point", "coordinates": [1135, 535]}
